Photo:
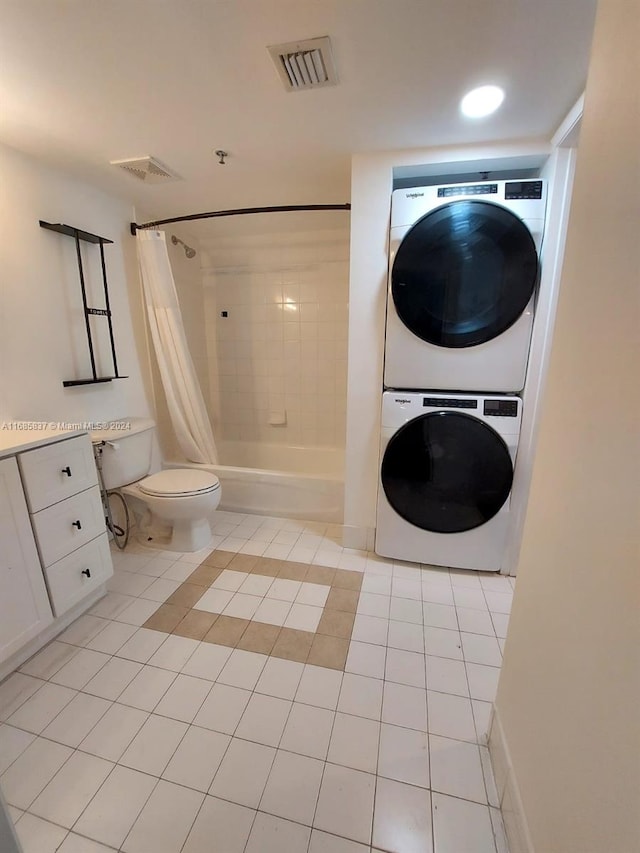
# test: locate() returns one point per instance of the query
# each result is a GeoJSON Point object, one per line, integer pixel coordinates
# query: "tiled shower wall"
{"type": "Point", "coordinates": [276, 319]}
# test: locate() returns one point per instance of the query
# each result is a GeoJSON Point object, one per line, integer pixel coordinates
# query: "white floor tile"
{"type": "Point", "coordinates": [465, 597]}
{"type": "Point", "coordinates": [222, 709]}
{"type": "Point", "coordinates": [112, 679]}
{"type": "Point", "coordinates": [404, 588]}
{"type": "Point", "coordinates": [13, 743]}
{"type": "Point", "coordinates": [214, 600]}
{"type": "Point", "coordinates": [174, 653]}
{"type": "Point", "coordinates": [450, 716]}
{"type": "Point", "coordinates": [228, 823]}
{"type": "Point", "coordinates": [361, 696]}
{"type": "Point", "coordinates": [323, 842]}
{"type": "Point", "coordinates": [129, 583]}
{"type": "Point", "coordinates": [32, 770]}
{"type": "Point", "coordinates": [114, 732]}
{"type": "Point", "coordinates": [292, 788]}
{"type": "Point", "coordinates": [403, 635]}
{"type": "Point", "coordinates": [71, 789]}
{"type": "Point", "coordinates": [366, 659]}
{"type": "Point", "coordinates": [137, 611]}
{"type": "Point", "coordinates": [500, 624]}
{"type": "Point", "coordinates": [230, 580]}
{"type": "Point", "coordinates": [308, 730]}
{"type": "Point", "coordinates": [475, 621]}
{"type": "Point", "coordinates": [406, 610]}
{"type": "Point", "coordinates": [303, 617]}
{"type": "Point", "coordinates": [483, 681]}
{"type": "Point", "coordinates": [354, 743]}
{"type": "Point", "coordinates": [456, 769]}
{"type": "Point", "coordinates": [370, 629]}
{"type": "Point", "coordinates": [404, 706]}
{"type": "Point", "coordinates": [39, 836]}
{"type": "Point", "coordinates": [111, 638]}
{"type": "Point", "coordinates": [197, 758]}
{"type": "Point", "coordinates": [112, 605]}
{"type": "Point", "coordinates": [439, 616]}
{"type": "Point", "coordinates": [74, 843]}
{"type": "Point", "coordinates": [243, 669]}
{"type": "Point", "coordinates": [499, 602]}
{"type": "Point", "coordinates": [147, 688]}
{"type": "Point", "coordinates": [372, 604]}
{"type": "Point", "coordinates": [404, 755]}
{"type": "Point", "coordinates": [376, 584]}
{"type": "Point", "coordinates": [264, 719]}
{"type": "Point", "coordinates": [243, 774]}
{"type": "Point", "coordinates": [345, 804]}
{"type": "Point", "coordinates": [482, 718]}
{"type": "Point", "coordinates": [277, 552]}
{"type": "Point", "coordinates": [489, 778]}
{"type": "Point", "coordinates": [183, 699]}
{"type": "Point", "coordinates": [437, 593]}
{"type": "Point", "coordinates": [41, 708]}
{"type": "Point", "coordinates": [460, 825]}
{"type": "Point", "coordinates": [242, 606]}
{"type": "Point", "coordinates": [405, 667]}
{"type": "Point", "coordinates": [320, 686]}
{"type": "Point", "coordinates": [280, 678]}
{"type": "Point", "coordinates": [273, 835]}
{"type": "Point", "coordinates": [178, 571]}
{"type": "Point", "coordinates": [272, 612]}
{"type": "Point", "coordinates": [447, 676]}
{"type": "Point", "coordinates": [402, 819]}
{"type": "Point", "coordinates": [443, 643]}
{"type": "Point", "coordinates": [84, 629]}
{"type": "Point", "coordinates": [207, 661]}
{"type": "Point", "coordinates": [80, 669]}
{"type": "Point", "coordinates": [15, 691]}
{"type": "Point", "coordinates": [256, 585]}
{"type": "Point", "coordinates": [48, 661]}
{"type": "Point", "coordinates": [315, 594]}
{"type": "Point", "coordinates": [142, 645]}
{"type": "Point", "coordinates": [499, 833]}
{"type": "Point", "coordinates": [479, 649]}
{"type": "Point", "coordinates": [284, 589]}
{"type": "Point", "coordinates": [160, 590]}
{"type": "Point", "coordinates": [467, 578]}
{"type": "Point", "coordinates": [75, 721]}
{"type": "Point", "coordinates": [165, 821]}
{"type": "Point", "coordinates": [116, 806]}
{"type": "Point", "coordinates": [151, 749]}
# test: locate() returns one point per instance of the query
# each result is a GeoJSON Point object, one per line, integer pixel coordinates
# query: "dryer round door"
{"type": "Point", "coordinates": [446, 472]}
{"type": "Point", "coordinates": [464, 273]}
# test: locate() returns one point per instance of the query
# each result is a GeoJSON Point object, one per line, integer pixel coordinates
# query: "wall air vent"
{"type": "Point", "coordinates": [147, 169]}
{"type": "Point", "coordinates": [305, 64]}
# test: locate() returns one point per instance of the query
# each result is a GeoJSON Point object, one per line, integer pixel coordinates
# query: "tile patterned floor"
{"type": "Point", "coordinates": [145, 728]}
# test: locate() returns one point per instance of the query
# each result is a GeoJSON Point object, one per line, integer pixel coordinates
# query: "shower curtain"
{"type": "Point", "coordinates": [182, 390]}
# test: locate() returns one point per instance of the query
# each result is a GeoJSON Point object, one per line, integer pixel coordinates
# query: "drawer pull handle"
{"type": "Point", "coordinates": [77, 524]}
{"type": "Point", "coordinates": [67, 471]}
{"type": "Point", "coordinates": [86, 572]}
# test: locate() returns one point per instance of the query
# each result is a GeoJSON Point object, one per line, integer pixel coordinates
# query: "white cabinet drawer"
{"type": "Point", "coordinates": [57, 471]}
{"type": "Point", "coordinates": [78, 574]}
{"type": "Point", "coordinates": [68, 525]}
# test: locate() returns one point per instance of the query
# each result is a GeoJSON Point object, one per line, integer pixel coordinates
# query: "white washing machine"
{"type": "Point", "coordinates": [446, 469]}
{"type": "Point", "coordinates": [463, 271]}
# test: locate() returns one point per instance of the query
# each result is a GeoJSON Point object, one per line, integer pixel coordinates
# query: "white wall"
{"type": "Point", "coordinates": [371, 186]}
{"type": "Point", "coordinates": [566, 737]}
{"type": "Point", "coordinates": [42, 336]}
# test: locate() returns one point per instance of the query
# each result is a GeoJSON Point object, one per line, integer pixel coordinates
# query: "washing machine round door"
{"type": "Point", "coordinates": [464, 273]}
{"type": "Point", "coordinates": [446, 472]}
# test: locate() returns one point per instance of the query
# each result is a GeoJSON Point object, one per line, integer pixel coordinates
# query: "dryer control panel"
{"type": "Point", "coordinates": [501, 408]}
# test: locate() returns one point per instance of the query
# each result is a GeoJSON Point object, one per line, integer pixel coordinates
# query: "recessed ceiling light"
{"type": "Point", "coordinates": [482, 101]}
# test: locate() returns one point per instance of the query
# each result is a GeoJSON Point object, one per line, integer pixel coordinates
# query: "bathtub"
{"type": "Point", "coordinates": [272, 479]}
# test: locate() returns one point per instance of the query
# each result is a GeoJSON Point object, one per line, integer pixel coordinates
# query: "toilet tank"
{"type": "Point", "coordinates": [125, 453]}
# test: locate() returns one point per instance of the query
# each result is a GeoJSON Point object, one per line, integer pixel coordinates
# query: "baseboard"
{"type": "Point", "coordinates": [513, 814]}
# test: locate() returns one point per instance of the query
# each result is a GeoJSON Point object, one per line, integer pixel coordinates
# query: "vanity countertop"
{"type": "Point", "coordinates": [16, 436]}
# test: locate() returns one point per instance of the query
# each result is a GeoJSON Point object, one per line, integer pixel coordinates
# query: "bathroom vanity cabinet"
{"type": "Point", "coordinates": [54, 551]}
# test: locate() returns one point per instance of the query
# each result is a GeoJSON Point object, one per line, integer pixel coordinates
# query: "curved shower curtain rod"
{"type": "Point", "coordinates": [237, 212]}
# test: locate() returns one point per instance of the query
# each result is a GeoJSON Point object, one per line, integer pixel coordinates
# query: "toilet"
{"type": "Point", "coordinates": [183, 498]}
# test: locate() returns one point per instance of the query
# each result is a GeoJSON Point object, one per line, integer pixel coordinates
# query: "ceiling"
{"type": "Point", "coordinates": [83, 82]}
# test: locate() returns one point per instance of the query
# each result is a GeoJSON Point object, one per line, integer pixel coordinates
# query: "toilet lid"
{"type": "Point", "coordinates": [179, 481]}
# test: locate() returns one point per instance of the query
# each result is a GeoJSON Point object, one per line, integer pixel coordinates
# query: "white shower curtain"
{"type": "Point", "coordinates": [182, 390]}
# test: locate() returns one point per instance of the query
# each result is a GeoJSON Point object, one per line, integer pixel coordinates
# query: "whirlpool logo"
{"type": "Point", "coordinates": [401, 400]}
{"type": "Point", "coordinates": [414, 195]}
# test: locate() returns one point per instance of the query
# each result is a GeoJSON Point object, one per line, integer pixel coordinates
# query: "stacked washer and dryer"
{"type": "Point", "coordinates": [463, 273]}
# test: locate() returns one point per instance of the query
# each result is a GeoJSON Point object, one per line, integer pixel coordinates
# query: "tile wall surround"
{"type": "Point", "coordinates": [121, 737]}
{"type": "Point", "coordinates": [282, 348]}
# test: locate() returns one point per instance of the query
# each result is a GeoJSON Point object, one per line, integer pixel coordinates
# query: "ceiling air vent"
{"type": "Point", "coordinates": [147, 169]}
{"type": "Point", "coordinates": [305, 64]}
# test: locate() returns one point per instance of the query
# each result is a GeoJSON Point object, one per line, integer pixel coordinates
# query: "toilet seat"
{"type": "Point", "coordinates": [179, 482]}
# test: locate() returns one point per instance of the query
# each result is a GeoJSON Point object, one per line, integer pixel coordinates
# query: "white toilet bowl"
{"type": "Point", "coordinates": [183, 497]}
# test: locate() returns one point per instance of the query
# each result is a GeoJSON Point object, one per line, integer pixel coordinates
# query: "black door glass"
{"type": "Point", "coordinates": [464, 273]}
{"type": "Point", "coordinates": [446, 472]}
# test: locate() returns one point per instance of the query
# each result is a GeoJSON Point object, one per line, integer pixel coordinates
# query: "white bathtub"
{"type": "Point", "coordinates": [271, 479]}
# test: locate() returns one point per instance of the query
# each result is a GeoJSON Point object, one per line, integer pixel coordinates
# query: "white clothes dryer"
{"type": "Point", "coordinates": [463, 271]}
{"type": "Point", "coordinates": [446, 471]}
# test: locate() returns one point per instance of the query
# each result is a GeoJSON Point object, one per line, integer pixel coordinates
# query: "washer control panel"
{"type": "Point", "coordinates": [501, 408]}
{"type": "Point", "coordinates": [449, 403]}
{"type": "Point", "coordinates": [523, 189]}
